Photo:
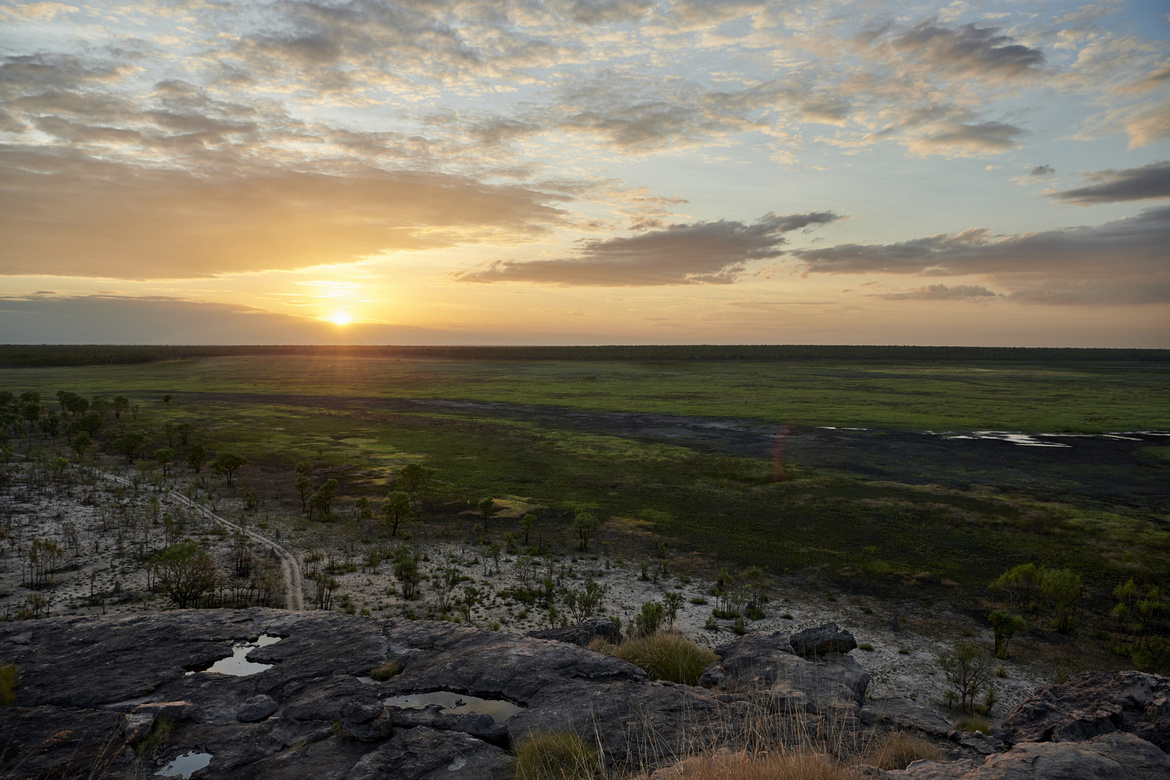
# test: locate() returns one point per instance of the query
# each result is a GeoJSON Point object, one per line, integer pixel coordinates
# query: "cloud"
{"type": "Point", "coordinates": [1042, 171]}
{"type": "Point", "coordinates": [603, 11]}
{"type": "Point", "coordinates": [940, 292]}
{"type": "Point", "coordinates": [1109, 186]}
{"type": "Point", "coordinates": [1124, 261]}
{"type": "Point", "coordinates": [968, 50]}
{"type": "Point", "coordinates": [965, 140]}
{"type": "Point", "coordinates": [68, 214]}
{"type": "Point", "coordinates": [1149, 125]}
{"type": "Point", "coordinates": [700, 253]}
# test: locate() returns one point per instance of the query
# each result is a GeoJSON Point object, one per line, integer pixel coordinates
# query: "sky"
{"type": "Point", "coordinates": [585, 172]}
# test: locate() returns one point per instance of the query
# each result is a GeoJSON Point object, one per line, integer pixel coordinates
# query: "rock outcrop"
{"type": "Point", "coordinates": [768, 666]}
{"type": "Point", "coordinates": [95, 692]}
{"type": "Point", "coordinates": [91, 688]}
{"type": "Point", "coordinates": [1091, 705]}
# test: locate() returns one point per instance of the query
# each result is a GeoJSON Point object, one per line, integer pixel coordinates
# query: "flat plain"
{"type": "Point", "coordinates": [860, 474]}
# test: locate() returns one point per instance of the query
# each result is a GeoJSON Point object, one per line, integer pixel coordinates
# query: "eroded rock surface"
{"type": "Point", "coordinates": [91, 689]}
{"type": "Point", "coordinates": [767, 665]}
{"type": "Point", "coordinates": [1093, 704]}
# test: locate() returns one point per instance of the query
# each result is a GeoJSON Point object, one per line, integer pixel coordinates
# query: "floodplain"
{"type": "Point", "coordinates": [874, 474]}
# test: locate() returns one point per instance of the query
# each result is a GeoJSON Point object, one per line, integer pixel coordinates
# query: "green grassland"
{"type": "Point", "coordinates": [348, 415]}
{"type": "Point", "coordinates": [1086, 397]}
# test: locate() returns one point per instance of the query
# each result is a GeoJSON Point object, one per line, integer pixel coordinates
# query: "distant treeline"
{"type": "Point", "coordinates": [26, 356]}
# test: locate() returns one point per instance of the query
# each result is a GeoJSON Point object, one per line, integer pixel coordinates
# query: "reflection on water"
{"type": "Point", "coordinates": [237, 664]}
{"type": "Point", "coordinates": [457, 704]}
{"type": "Point", "coordinates": [185, 765]}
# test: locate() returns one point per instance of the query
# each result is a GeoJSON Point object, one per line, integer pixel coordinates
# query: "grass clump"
{"type": "Point", "coordinates": [899, 749]}
{"type": "Point", "coordinates": [782, 765]}
{"type": "Point", "coordinates": [669, 656]}
{"type": "Point", "coordinates": [385, 671]}
{"type": "Point", "coordinates": [973, 723]}
{"type": "Point", "coordinates": [8, 680]}
{"type": "Point", "coordinates": [160, 732]}
{"type": "Point", "coordinates": [555, 755]}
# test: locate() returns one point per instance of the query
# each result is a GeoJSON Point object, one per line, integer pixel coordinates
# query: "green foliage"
{"type": "Point", "coordinates": [669, 656]}
{"type": "Point", "coordinates": [322, 500]}
{"type": "Point", "coordinates": [555, 755]}
{"type": "Point", "coordinates": [9, 678]}
{"type": "Point", "coordinates": [185, 572]}
{"type": "Point", "coordinates": [649, 618]}
{"type": "Point", "coordinates": [395, 509]}
{"type": "Point", "coordinates": [197, 457]}
{"type": "Point", "coordinates": [129, 444]}
{"type": "Point", "coordinates": [973, 723]}
{"type": "Point", "coordinates": [585, 524]}
{"type": "Point", "coordinates": [407, 571]}
{"type": "Point", "coordinates": [160, 732]}
{"type": "Point", "coordinates": [583, 602]}
{"type": "Point", "coordinates": [227, 464]}
{"type": "Point", "coordinates": [1062, 589]}
{"type": "Point", "coordinates": [1005, 625]}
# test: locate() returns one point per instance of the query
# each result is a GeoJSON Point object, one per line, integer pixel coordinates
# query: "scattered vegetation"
{"type": "Point", "coordinates": [555, 755]}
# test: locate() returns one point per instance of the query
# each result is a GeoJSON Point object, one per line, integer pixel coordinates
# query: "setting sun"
{"type": "Point", "coordinates": [340, 318]}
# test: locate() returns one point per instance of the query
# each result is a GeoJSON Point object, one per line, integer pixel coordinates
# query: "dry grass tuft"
{"type": "Point", "coordinates": [668, 656]}
{"type": "Point", "coordinates": [899, 749]}
{"type": "Point", "coordinates": [555, 755]}
{"type": "Point", "coordinates": [803, 765]}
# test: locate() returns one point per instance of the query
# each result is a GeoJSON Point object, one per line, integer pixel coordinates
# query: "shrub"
{"type": "Point", "coordinates": [555, 755]}
{"type": "Point", "coordinates": [899, 749]}
{"type": "Point", "coordinates": [8, 680]}
{"type": "Point", "coordinates": [385, 671]}
{"type": "Point", "coordinates": [670, 657]}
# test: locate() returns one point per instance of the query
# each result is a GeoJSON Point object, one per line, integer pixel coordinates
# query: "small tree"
{"type": "Point", "coordinates": [322, 500]}
{"type": "Point", "coordinates": [584, 602]}
{"type": "Point", "coordinates": [585, 524]}
{"type": "Point", "coordinates": [304, 490]}
{"type": "Point", "coordinates": [185, 572]}
{"type": "Point", "coordinates": [1005, 625]}
{"type": "Point", "coordinates": [526, 524]}
{"type": "Point", "coordinates": [165, 457]}
{"type": "Point", "coordinates": [968, 670]}
{"type": "Point", "coordinates": [81, 442]}
{"type": "Point", "coordinates": [413, 478]}
{"type": "Point", "coordinates": [197, 457]}
{"type": "Point", "coordinates": [227, 464]}
{"type": "Point", "coordinates": [486, 507]}
{"type": "Point", "coordinates": [129, 444]}
{"type": "Point", "coordinates": [406, 570]}
{"type": "Point", "coordinates": [1018, 586]}
{"type": "Point", "coordinates": [649, 619]}
{"type": "Point", "coordinates": [1062, 589]}
{"type": "Point", "coordinates": [395, 509]}
{"type": "Point", "coordinates": [672, 602]}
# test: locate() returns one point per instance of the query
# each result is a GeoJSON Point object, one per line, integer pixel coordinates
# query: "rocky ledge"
{"type": "Point", "coordinates": [94, 692]}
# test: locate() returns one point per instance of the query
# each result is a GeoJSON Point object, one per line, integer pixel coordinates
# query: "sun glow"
{"type": "Point", "coordinates": [340, 318]}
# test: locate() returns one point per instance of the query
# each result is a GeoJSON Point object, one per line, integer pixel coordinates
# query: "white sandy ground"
{"type": "Point", "coordinates": [97, 579]}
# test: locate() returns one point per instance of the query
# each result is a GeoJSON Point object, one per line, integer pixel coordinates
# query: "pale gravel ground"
{"type": "Point", "coordinates": [94, 563]}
